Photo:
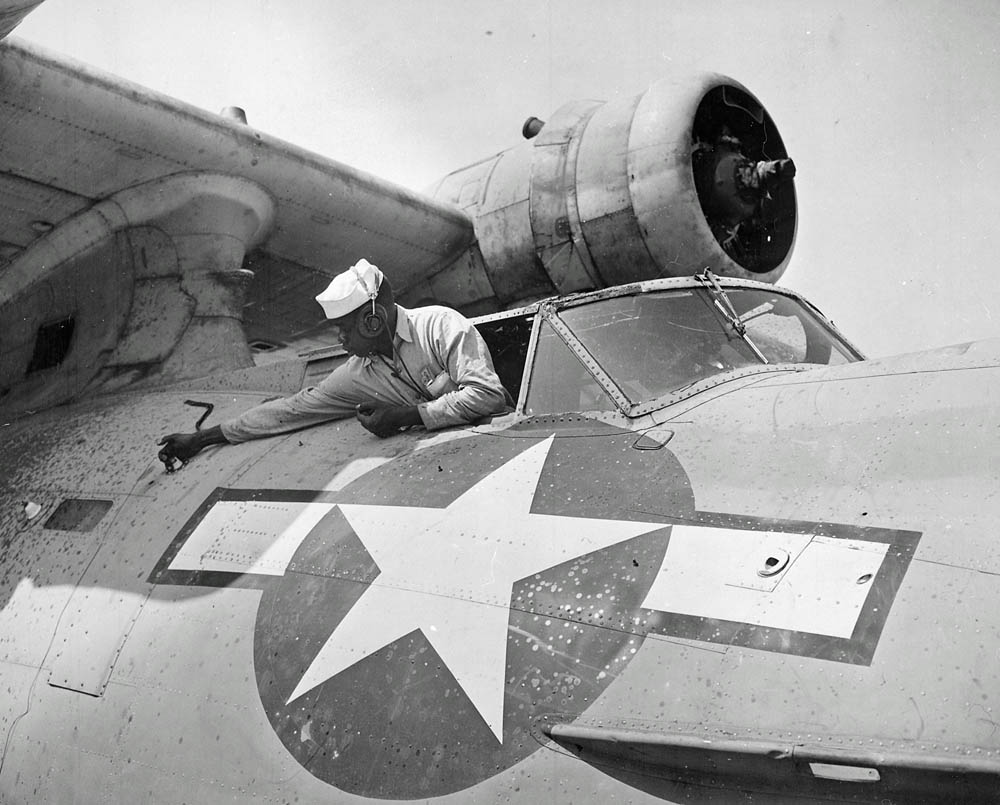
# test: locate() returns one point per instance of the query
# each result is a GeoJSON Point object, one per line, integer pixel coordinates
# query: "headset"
{"type": "Point", "coordinates": [371, 324]}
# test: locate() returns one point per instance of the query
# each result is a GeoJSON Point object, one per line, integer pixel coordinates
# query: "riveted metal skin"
{"type": "Point", "coordinates": [155, 644]}
{"type": "Point", "coordinates": [503, 228]}
{"type": "Point", "coordinates": [560, 608]}
{"type": "Point", "coordinates": [553, 204]}
{"type": "Point", "coordinates": [607, 213]}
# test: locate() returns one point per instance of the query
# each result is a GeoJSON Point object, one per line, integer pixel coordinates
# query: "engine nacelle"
{"type": "Point", "coordinates": [689, 175]}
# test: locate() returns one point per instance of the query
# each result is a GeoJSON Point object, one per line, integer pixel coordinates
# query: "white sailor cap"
{"type": "Point", "coordinates": [351, 289]}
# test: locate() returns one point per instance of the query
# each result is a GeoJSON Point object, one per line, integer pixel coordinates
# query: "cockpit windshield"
{"type": "Point", "coordinates": [656, 344]}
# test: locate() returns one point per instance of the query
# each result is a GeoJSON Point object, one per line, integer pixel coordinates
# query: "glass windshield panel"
{"type": "Point", "coordinates": [559, 382]}
{"type": "Point", "coordinates": [654, 344]}
{"type": "Point", "coordinates": [787, 332]}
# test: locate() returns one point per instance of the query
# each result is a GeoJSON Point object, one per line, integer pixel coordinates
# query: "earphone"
{"type": "Point", "coordinates": [371, 324]}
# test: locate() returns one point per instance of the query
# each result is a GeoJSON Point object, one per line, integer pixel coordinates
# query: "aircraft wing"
{"type": "Point", "coordinates": [144, 241]}
{"type": "Point", "coordinates": [12, 12]}
{"type": "Point", "coordinates": [72, 137]}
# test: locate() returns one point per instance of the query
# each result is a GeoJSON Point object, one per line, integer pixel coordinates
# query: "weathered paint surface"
{"type": "Point", "coordinates": [195, 639]}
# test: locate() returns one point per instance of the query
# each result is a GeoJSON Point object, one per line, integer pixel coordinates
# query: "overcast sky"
{"type": "Point", "coordinates": [891, 110]}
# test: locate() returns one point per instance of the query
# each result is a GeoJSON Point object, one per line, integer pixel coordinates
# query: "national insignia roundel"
{"type": "Point", "coordinates": [416, 627]}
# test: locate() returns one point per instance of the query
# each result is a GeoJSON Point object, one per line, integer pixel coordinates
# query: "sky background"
{"type": "Point", "coordinates": [891, 110]}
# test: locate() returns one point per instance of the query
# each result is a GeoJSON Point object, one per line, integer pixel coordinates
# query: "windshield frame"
{"type": "Point", "coordinates": [549, 311]}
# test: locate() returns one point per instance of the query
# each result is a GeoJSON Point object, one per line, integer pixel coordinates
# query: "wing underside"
{"type": "Point", "coordinates": [120, 189]}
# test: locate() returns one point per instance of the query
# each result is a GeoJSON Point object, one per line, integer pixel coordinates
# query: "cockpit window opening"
{"type": "Point", "coordinates": [654, 343]}
{"type": "Point", "coordinates": [724, 305]}
{"type": "Point", "coordinates": [508, 340]}
{"type": "Point", "coordinates": [640, 348]}
{"type": "Point", "coordinates": [788, 331]}
{"type": "Point", "coordinates": [559, 381]}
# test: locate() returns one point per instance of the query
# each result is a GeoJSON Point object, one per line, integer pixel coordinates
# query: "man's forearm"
{"type": "Point", "coordinates": [469, 403]}
{"type": "Point", "coordinates": [185, 446]}
{"type": "Point", "coordinates": [385, 420]}
{"type": "Point", "coordinates": [303, 409]}
{"type": "Point", "coordinates": [209, 436]}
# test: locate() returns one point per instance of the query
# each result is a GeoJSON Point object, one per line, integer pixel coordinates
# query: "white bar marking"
{"type": "Point", "coordinates": [248, 536]}
{"type": "Point", "coordinates": [712, 573]}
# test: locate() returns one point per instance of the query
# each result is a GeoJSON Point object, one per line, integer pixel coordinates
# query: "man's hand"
{"type": "Point", "coordinates": [386, 420]}
{"type": "Point", "coordinates": [183, 447]}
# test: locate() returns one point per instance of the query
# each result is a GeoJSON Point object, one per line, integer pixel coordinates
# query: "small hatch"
{"type": "Point", "coordinates": [52, 343]}
{"type": "Point", "coordinates": [840, 771]}
{"type": "Point", "coordinates": [78, 514]}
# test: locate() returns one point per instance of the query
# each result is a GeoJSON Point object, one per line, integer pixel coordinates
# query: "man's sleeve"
{"type": "Point", "coordinates": [334, 398]}
{"type": "Point", "coordinates": [470, 366]}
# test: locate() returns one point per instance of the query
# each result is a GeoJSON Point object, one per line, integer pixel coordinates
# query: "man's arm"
{"type": "Point", "coordinates": [185, 446]}
{"type": "Point", "coordinates": [307, 407]}
{"type": "Point", "coordinates": [336, 397]}
{"type": "Point", "coordinates": [386, 420]}
{"type": "Point", "coordinates": [470, 365]}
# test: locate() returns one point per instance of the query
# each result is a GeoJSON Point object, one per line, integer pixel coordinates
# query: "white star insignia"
{"type": "Point", "coordinates": [449, 573]}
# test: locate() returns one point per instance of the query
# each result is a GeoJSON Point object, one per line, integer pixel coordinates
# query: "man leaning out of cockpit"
{"type": "Point", "coordinates": [426, 366]}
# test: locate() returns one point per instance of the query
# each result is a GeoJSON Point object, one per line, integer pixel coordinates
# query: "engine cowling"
{"type": "Point", "coordinates": [691, 174]}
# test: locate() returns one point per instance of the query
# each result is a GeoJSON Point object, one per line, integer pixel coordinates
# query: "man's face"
{"type": "Point", "coordinates": [350, 338]}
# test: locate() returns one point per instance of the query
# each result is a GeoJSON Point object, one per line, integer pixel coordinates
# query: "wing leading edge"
{"type": "Point", "coordinates": [73, 135]}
